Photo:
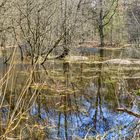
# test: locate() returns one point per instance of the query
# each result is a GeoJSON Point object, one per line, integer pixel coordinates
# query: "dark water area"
{"type": "Point", "coordinates": [122, 52]}
{"type": "Point", "coordinates": [73, 100]}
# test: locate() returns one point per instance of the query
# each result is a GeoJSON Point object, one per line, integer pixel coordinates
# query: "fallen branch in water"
{"type": "Point", "coordinates": [129, 112]}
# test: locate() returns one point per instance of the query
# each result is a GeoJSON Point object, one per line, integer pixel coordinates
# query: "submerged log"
{"type": "Point", "coordinates": [123, 61]}
{"type": "Point", "coordinates": [76, 58]}
{"type": "Point", "coordinates": [129, 112]}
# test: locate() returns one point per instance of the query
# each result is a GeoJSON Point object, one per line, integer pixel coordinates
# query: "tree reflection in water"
{"type": "Point", "coordinates": [77, 103]}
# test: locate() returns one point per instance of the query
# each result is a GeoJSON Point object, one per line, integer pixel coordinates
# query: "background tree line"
{"type": "Point", "coordinates": [44, 27]}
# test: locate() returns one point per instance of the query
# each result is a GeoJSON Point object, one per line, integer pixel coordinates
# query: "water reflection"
{"type": "Point", "coordinates": [70, 100]}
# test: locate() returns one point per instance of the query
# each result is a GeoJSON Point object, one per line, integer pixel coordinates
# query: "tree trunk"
{"type": "Point", "coordinates": [101, 28]}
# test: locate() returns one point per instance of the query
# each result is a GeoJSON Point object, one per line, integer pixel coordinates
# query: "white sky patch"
{"type": "Point", "coordinates": [94, 4]}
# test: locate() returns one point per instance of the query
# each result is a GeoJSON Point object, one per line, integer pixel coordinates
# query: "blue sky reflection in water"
{"type": "Point", "coordinates": [89, 113]}
{"type": "Point", "coordinates": [111, 125]}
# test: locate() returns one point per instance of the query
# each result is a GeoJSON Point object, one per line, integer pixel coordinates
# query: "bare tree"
{"type": "Point", "coordinates": [101, 13]}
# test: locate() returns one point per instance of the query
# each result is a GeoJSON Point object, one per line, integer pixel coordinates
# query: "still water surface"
{"type": "Point", "coordinates": [76, 99]}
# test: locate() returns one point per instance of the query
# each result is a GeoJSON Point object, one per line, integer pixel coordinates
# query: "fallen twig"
{"type": "Point", "coordinates": [129, 112]}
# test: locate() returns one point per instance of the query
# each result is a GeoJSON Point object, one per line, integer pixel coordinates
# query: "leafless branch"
{"type": "Point", "coordinates": [129, 112]}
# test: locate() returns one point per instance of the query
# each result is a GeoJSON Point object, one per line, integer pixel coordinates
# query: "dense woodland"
{"type": "Point", "coordinates": [38, 27]}
{"type": "Point", "coordinates": [68, 67]}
